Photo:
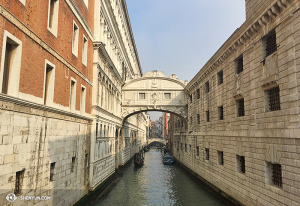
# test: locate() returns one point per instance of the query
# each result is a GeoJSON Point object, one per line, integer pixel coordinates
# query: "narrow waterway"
{"type": "Point", "coordinates": [157, 184]}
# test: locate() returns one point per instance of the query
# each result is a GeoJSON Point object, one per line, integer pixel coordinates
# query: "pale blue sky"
{"type": "Point", "coordinates": [180, 36]}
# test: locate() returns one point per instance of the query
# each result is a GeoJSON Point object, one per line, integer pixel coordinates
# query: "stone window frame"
{"type": "Point", "coordinates": [267, 99]}
{"type": "Point", "coordinates": [221, 112]}
{"type": "Point", "coordinates": [19, 181]}
{"type": "Point", "coordinates": [54, 28]}
{"type": "Point", "coordinates": [237, 103]}
{"type": "Point", "coordinates": [73, 161]}
{"type": "Point", "coordinates": [207, 116]}
{"type": "Point", "coordinates": [207, 87]}
{"type": "Point", "coordinates": [240, 164]}
{"type": "Point", "coordinates": [236, 64]}
{"type": "Point", "coordinates": [220, 157]}
{"type": "Point", "coordinates": [220, 76]}
{"type": "Point", "coordinates": [75, 39]}
{"type": "Point", "coordinates": [198, 118]}
{"type": "Point", "coordinates": [206, 152]}
{"type": "Point", "coordinates": [84, 50]}
{"type": "Point", "coordinates": [264, 43]}
{"type": "Point", "coordinates": [15, 67]}
{"type": "Point", "coordinates": [51, 84]}
{"type": "Point", "coordinates": [198, 93]}
{"type": "Point", "coordinates": [52, 172]}
{"type": "Point", "coordinates": [142, 94]}
{"type": "Point", "coordinates": [82, 99]}
{"type": "Point", "coordinates": [166, 94]}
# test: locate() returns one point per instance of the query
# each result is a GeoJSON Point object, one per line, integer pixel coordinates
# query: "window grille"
{"type": "Point", "coordinates": [191, 98]}
{"type": "Point", "coordinates": [239, 67]}
{"type": "Point", "coordinates": [198, 93]}
{"type": "Point", "coordinates": [198, 151]}
{"type": "Point", "coordinates": [73, 164]}
{"type": "Point", "coordinates": [274, 99]}
{"type": "Point", "coordinates": [52, 167]}
{"type": "Point", "coordinates": [242, 164]}
{"type": "Point", "coordinates": [207, 87]}
{"type": "Point", "coordinates": [198, 118]}
{"type": "Point", "coordinates": [207, 116]}
{"type": "Point", "coordinates": [277, 175]}
{"type": "Point", "coordinates": [271, 45]}
{"type": "Point", "coordinates": [19, 181]}
{"type": "Point", "coordinates": [167, 95]}
{"type": "Point", "coordinates": [142, 96]}
{"type": "Point", "coordinates": [220, 77]}
{"type": "Point", "coordinates": [221, 159]}
{"type": "Point", "coordinates": [241, 110]}
{"type": "Point", "coordinates": [206, 153]}
{"type": "Point", "coordinates": [221, 114]}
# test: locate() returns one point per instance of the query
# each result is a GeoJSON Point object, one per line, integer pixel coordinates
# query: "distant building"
{"type": "Point", "coordinates": [166, 117]}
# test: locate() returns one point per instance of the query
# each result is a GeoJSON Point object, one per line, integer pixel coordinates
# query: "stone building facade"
{"type": "Point", "coordinates": [242, 136]}
{"type": "Point", "coordinates": [63, 63]}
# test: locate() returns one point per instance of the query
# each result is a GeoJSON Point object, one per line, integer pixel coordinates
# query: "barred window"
{"type": "Point", "coordinates": [274, 99]}
{"type": "Point", "coordinates": [271, 45]}
{"type": "Point", "coordinates": [274, 174]}
{"type": "Point", "coordinates": [221, 113]}
{"type": "Point", "coordinates": [240, 107]}
{"type": "Point", "coordinates": [198, 93]}
{"type": "Point", "coordinates": [19, 181]}
{"type": "Point", "coordinates": [207, 116]}
{"type": "Point", "coordinates": [52, 167]}
{"type": "Point", "coordinates": [220, 158]}
{"type": "Point", "coordinates": [239, 65]}
{"type": "Point", "coordinates": [220, 77]}
{"type": "Point", "coordinates": [191, 98]}
{"type": "Point", "coordinates": [207, 87]}
{"type": "Point", "coordinates": [198, 118]}
{"type": "Point", "coordinates": [73, 164]}
{"type": "Point", "coordinates": [198, 151]}
{"type": "Point", "coordinates": [240, 160]}
{"type": "Point", "coordinates": [206, 153]}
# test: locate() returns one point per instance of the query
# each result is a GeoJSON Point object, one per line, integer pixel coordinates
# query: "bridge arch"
{"type": "Point", "coordinates": [154, 92]}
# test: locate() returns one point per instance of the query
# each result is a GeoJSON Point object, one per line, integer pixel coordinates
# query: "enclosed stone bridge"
{"type": "Point", "coordinates": [154, 92]}
{"type": "Point", "coordinates": [163, 141]}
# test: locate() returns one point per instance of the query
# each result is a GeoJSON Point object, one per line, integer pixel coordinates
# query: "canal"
{"type": "Point", "coordinates": [157, 184]}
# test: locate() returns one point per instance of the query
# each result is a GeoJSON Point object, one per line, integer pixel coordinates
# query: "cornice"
{"type": "Point", "coordinates": [74, 8]}
{"type": "Point", "coordinates": [243, 35]}
{"type": "Point", "coordinates": [32, 105]}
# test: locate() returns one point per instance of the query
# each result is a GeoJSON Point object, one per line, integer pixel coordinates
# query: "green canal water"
{"type": "Point", "coordinates": [157, 184]}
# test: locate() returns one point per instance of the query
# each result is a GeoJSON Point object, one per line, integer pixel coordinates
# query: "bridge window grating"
{"type": "Point", "coordinates": [207, 87]}
{"type": "Point", "coordinates": [240, 66]}
{"type": "Point", "coordinates": [142, 96]}
{"type": "Point", "coordinates": [271, 45]}
{"type": "Point", "coordinates": [207, 116]}
{"type": "Point", "coordinates": [198, 93]}
{"type": "Point", "coordinates": [19, 181]}
{"type": "Point", "coordinates": [274, 99]}
{"type": "Point", "coordinates": [167, 95]}
{"type": "Point", "coordinates": [277, 175]}
{"type": "Point", "coordinates": [220, 77]}
{"type": "Point", "coordinates": [198, 118]}
{"type": "Point", "coordinates": [206, 153]}
{"type": "Point", "coordinates": [220, 158]}
{"type": "Point", "coordinates": [240, 107]}
{"type": "Point", "coordinates": [221, 113]}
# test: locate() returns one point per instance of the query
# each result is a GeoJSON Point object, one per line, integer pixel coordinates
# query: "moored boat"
{"type": "Point", "coordinates": [168, 159]}
{"type": "Point", "coordinates": [138, 159]}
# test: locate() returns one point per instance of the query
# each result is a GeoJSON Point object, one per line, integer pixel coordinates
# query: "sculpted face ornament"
{"type": "Point", "coordinates": [154, 83]}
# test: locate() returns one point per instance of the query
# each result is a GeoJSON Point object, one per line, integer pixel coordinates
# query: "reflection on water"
{"type": "Point", "coordinates": [158, 184]}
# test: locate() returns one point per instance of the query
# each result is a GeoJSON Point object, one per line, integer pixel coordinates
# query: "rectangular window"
{"type": "Point", "coordinates": [19, 181]}
{"type": "Point", "coordinates": [207, 116]}
{"type": "Point", "coordinates": [86, 160]}
{"type": "Point", "coordinates": [240, 107]}
{"type": "Point", "coordinates": [220, 112]}
{"type": "Point", "coordinates": [206, 153]}
{"type": "Point", "coordinates": [273, 99]}
{"type": "Point", "coordinates": [198, 118]}
{"type": "Point", "coordinates": [75, 39]}
{"type": "Point", "coordinates": [49, 83]}
{"type": "Point", "coordinates": [240, 164]}
{"type": "Point", "coordinates": [52, 167]}
{"type": "Point", "coordinates": [185, 148]}
{"type": "Point", "coordinates": [220, 77]}
{"type": "Point", "coordinates": [198, 151]}
{"type": "Point", "coordinates": [84, 51]}
{"type": "Point", "coordinates": [142, 96]}
{"type": "Point", "coordinates": [73, 164]}
{"type": "Point", "coordinates": [96, 130]}
{"type": "Point", "coordinates": [167, 95]}
{"type": "Point", "coordinates": [198, 93]}
{"type": "Point", "coordinates": [220, 158]}
{"type": "Point", "coordinates": [82, 99]}
{"type": "Point", "coordinates": [191, 98]}
{"type": "Point", "coordinates": [274, 174]}
{"type": "Point", "coordinates": [207, 87]}
{"type": "Point", "coordinates": [72, 94]}
{"type": "Point", "coordinates": [190, 148]}
{"type": "Point", "coordinates": [270, 43]}
{"type": "Point", "coordinates": [239, 65]}
{"type": "Point", "coordinates": [10, 65]}
{"type": "Point", "coordinates": [53, 16]}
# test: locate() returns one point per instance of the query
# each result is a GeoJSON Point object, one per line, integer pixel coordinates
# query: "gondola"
{"type": "Point", "coordinates": [168, 159]}
{"type": "Point", "coordinates": [138, 159]}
